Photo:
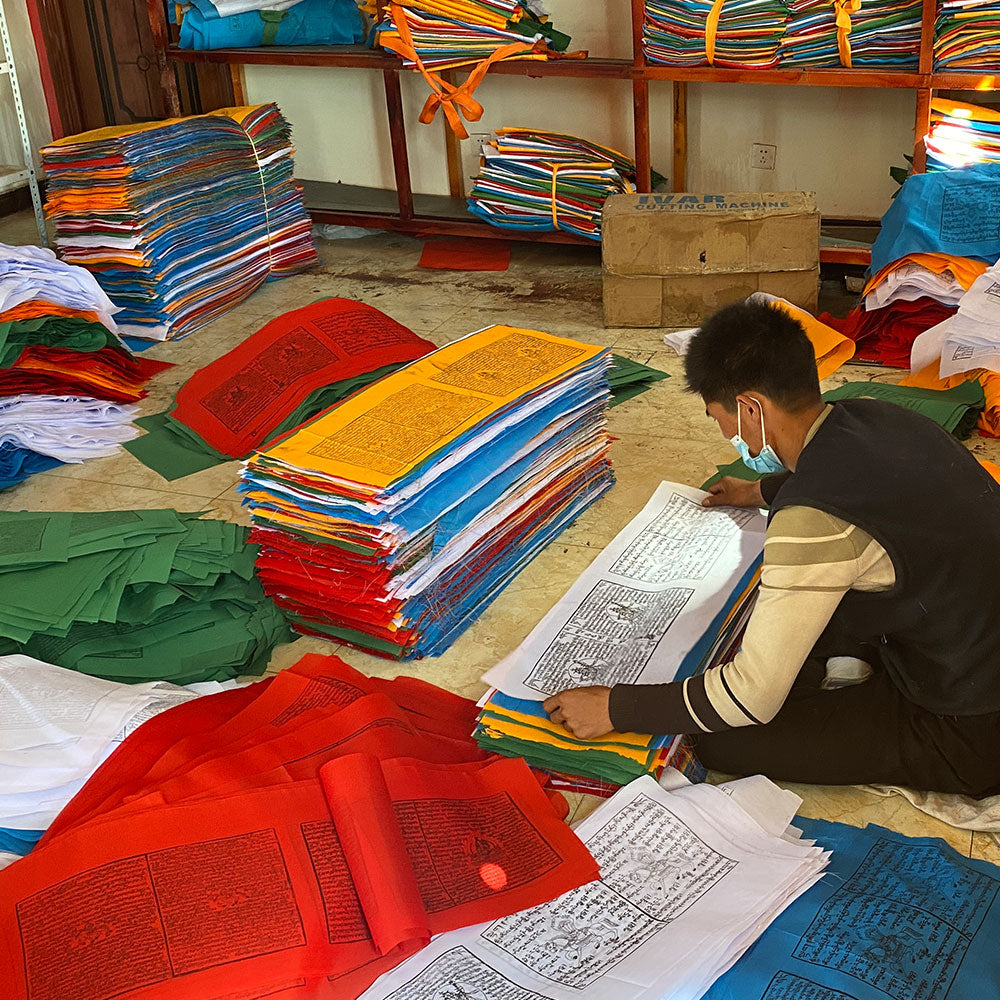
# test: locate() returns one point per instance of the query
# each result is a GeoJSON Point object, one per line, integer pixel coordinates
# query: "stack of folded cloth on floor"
{"type": "Point", "coordinates": [967, 35]}
{"type": "Point", "coordinates": [59, 726]}
{"type": "Point", "coordinates": [747, 36]}
{"type": "Point", "coordinates": [293, 837]}
{"type": "Point", "coordinates": [961, 134]}
{"type": "Point", "coordinates": [224, 24]}
{"type": "Point", "coordinates": [134, 595]}
{"type": "Point", "coordinates": [65, 377]}
{"type": "Point", "coordinates": [180, 220]}
{"type": "Point", "coordinates": [392, 520]}
{"type": "Point", "coordinates": [636, 614]}
{"type": "Point", "coordinates": [445, 34]}
{"type": "Point", "coordinates": [882, 33]}
{"type": "Point", "coordinates": [544, 181]}
{"type": "Point", "coordinates": [294, 367]}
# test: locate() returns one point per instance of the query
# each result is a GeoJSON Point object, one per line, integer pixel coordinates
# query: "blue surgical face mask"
{"type": "Point", "coordinates": [767, 462]}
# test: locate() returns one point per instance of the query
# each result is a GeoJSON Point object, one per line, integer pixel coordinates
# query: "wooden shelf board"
{"type": "Point", "coordinates": [874, 78]}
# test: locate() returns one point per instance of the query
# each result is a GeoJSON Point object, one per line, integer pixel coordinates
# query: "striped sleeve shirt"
{"type": "Point", "coordinates": [811, 559]}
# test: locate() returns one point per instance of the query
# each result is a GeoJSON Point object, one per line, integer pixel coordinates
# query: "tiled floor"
{"type": "Point", "coordinates": [662, 434]}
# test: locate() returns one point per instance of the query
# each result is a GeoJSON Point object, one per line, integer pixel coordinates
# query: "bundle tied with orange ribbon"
{"type": "Point", "coordinates": [433, 36]}
{"type": "Point", "coordinates": [545, 181]}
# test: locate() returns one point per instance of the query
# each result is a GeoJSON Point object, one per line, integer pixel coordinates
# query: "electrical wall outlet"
{"type": "Point", "coordinates": [762, 156]}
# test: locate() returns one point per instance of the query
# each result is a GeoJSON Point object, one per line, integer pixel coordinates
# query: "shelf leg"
{"type": "Point", "coordinates": [680, 136]}
{"type": "Point", "coordinates": [453, 149]}
{"type": "Point", "coordinates": [640, 107]}
{"type": "Point", "coordinates": [920, 129]}
{"type": "Point", "coordinates": [397, 136]}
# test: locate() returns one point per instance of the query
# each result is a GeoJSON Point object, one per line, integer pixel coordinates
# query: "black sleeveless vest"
{"type": "Point", "coordinates": [936, 511]}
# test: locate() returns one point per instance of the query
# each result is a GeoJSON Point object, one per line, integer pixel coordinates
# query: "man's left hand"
{"type": "Point", "coordinates": [582, 711]}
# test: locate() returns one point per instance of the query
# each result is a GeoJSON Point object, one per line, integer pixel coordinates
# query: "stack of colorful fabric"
{"type": "Point", "coordinates": [836, 33]}
{"type": "Point", "coordinates": [392, 520]}
{"type": "Point", "coordinates": [961, 134]}
{"type": "Point", "coordinates": [295, 837]}
{"type": "Point", "coordinates": [182, 219]}
{"type": "Point", "coordinates": [967, 35]}
{"type": "Point", "coordinates": [64, 373]}
{"type": "Point", "coordinates": [695, 33]}
{"type": "Point", "coordinates": [294, 367]}
{"type": "Point", "coordinates": [544, 181]}
{"type": "Point", "coordinates": [134, 595]}
{"type": "Point", "coordinates": [227, 24]}
{"type": "Point", "coordinates": [444, 34]}
{"type": "Point", "coordinates": [932, 275]}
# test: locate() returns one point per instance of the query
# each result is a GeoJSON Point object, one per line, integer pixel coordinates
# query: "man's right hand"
{"type": "Point", "coordinates": [732, 492]}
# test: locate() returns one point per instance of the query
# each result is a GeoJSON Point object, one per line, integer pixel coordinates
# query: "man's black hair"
{"type": "Point", "coordinates": [752, 347]}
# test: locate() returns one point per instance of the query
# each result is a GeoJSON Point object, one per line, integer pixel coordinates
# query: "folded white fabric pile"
{"type": "Point", "coordinates": [914, 281]}
{"type": "Point", "coordinates": [67, 428]}
{"type": "Point", "coordinates": [690, 878]}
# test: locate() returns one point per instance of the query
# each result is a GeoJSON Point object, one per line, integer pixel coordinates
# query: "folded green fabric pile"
{"type": "Point", "coordinates": [628, 378]}
{"type": "Point", "coordinates": [135, 595]}
{"type": "Point", "coordinates": [956, 410]}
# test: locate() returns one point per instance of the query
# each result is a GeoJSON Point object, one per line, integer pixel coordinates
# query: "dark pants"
{"type": "Point", "coordinates": [866, 734]}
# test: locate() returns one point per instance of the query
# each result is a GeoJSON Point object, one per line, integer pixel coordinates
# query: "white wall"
{"type": "Point", "coordinates": [837, 142]}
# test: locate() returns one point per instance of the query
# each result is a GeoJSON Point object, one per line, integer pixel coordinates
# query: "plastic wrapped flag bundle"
{"type": "Point", "coordinates": [967, 35]}
{"type": "Point", "coordinates": [64, 373]}
{"type": "Point", "coordinates": [216, 24]}
{"type": "Point", "coordinates": [851, 33]}
{"type": "Point", "coordinates": [392, 520]}
{"type": "Point", "coordinates": [961, 134]}
{"type": "Point", "coordinates": [180, 220]}
{"type": "Point", "coordinates": [744, 34]}
{"type": "Point", "coordinates": [546, 181]}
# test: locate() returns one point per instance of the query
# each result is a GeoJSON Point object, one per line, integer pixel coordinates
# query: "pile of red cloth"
{"type": "Point", "coordinates": [293, 838]}
{"type": "Point", "coordinates": [886, 335]}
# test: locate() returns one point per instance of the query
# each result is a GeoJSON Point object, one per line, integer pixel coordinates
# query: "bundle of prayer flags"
{"type": "Point", "coordinates": [628, 378]}
{"type": "Point", "coordinates": [899, 917]}
{"type": "Point", "coordinates": [392, 520]}
{"type": "Point", "coordinates": [690, 878]}
{"type": "Point", "coordinates": [134, 595]}
{"type": "Point", "coordinates": [961, 134]}
{"type": "Point", "coordinates": [546, 181]}
{"type": "Point", "coordinates": [948, 212]}
{"type": "Point", "coordinates": [56, 728]}
{"type": "Point", "coordinates": [885, 336]}
{"type": "Point", "coordinates": [294, 367]}
{"type": "Point", "coordinates": [967, 35]}
{"type": "Point", "coordinates": [743, 35]}
{"type": "Point", "coordinates": [295, 837]}
{"type": "Point", "coordinates": [852, 33]}
{"type": "Point", "coordinates": [917, 275]}
{"type": "Point", "coordinates": [436, 35]}
{"type": "Point", "coordinates": [305, 22]}
{"type": "Point", "coordinates": [668, 598]}
{"type": "Point", "coordinates": [182, 219]}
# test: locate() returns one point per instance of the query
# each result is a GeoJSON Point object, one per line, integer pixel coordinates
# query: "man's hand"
{"type": "Point", "coordinates": [731, 492]}
{"type": "Point", "coordinates": [583, 711]}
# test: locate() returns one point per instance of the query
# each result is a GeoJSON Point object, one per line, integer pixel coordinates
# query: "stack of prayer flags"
{"type": "Point", "coordinates": [669, 598]}
{"type": "Point", "coordinates": [545, 181]}
{"type": "Point", "coordinates": [961, 134]}
{"type": "Point", "coordinates": [57, 728]}
{"type": "Point", "coordinates": [298, 836]}
{"type": "Point", "coordinates": [64, 373]}
{"type": "Point", "coordinates": [930, 378]}
{"type": "Point", "coordinates": [917, 275]}
{"type": "Point", "coordinates": [628, 378]}
{"type": "Point", "coordinates": [180, 220]}
{"type": "Point", "coordinates": [294, 367]}
{"type": "Point", "coordinates": [392, 520]}
{"type": "Point", "coordinates": [743, 35]}
{"type": "Point", "coordinates": [869, 33]}
{"type": "Point", "coordinates": [967, 35]}
{"type": "Point", "coordinates": [134, 595]}
{"type": "Point", "coordinates": [444, 34]}
{"type": "Point", "coordinates": [219, 24]}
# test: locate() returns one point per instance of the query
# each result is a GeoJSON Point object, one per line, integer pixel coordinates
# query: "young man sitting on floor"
{"type": "Point", "coordinates": [882, 547]}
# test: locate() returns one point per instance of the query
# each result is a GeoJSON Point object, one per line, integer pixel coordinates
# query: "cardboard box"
{"type": "Point", "coordinates": [688, 300]}
{"type": "Point", "coordinates": [673, 259]}
{"type": "Point", "coordinates": [670, 234]}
